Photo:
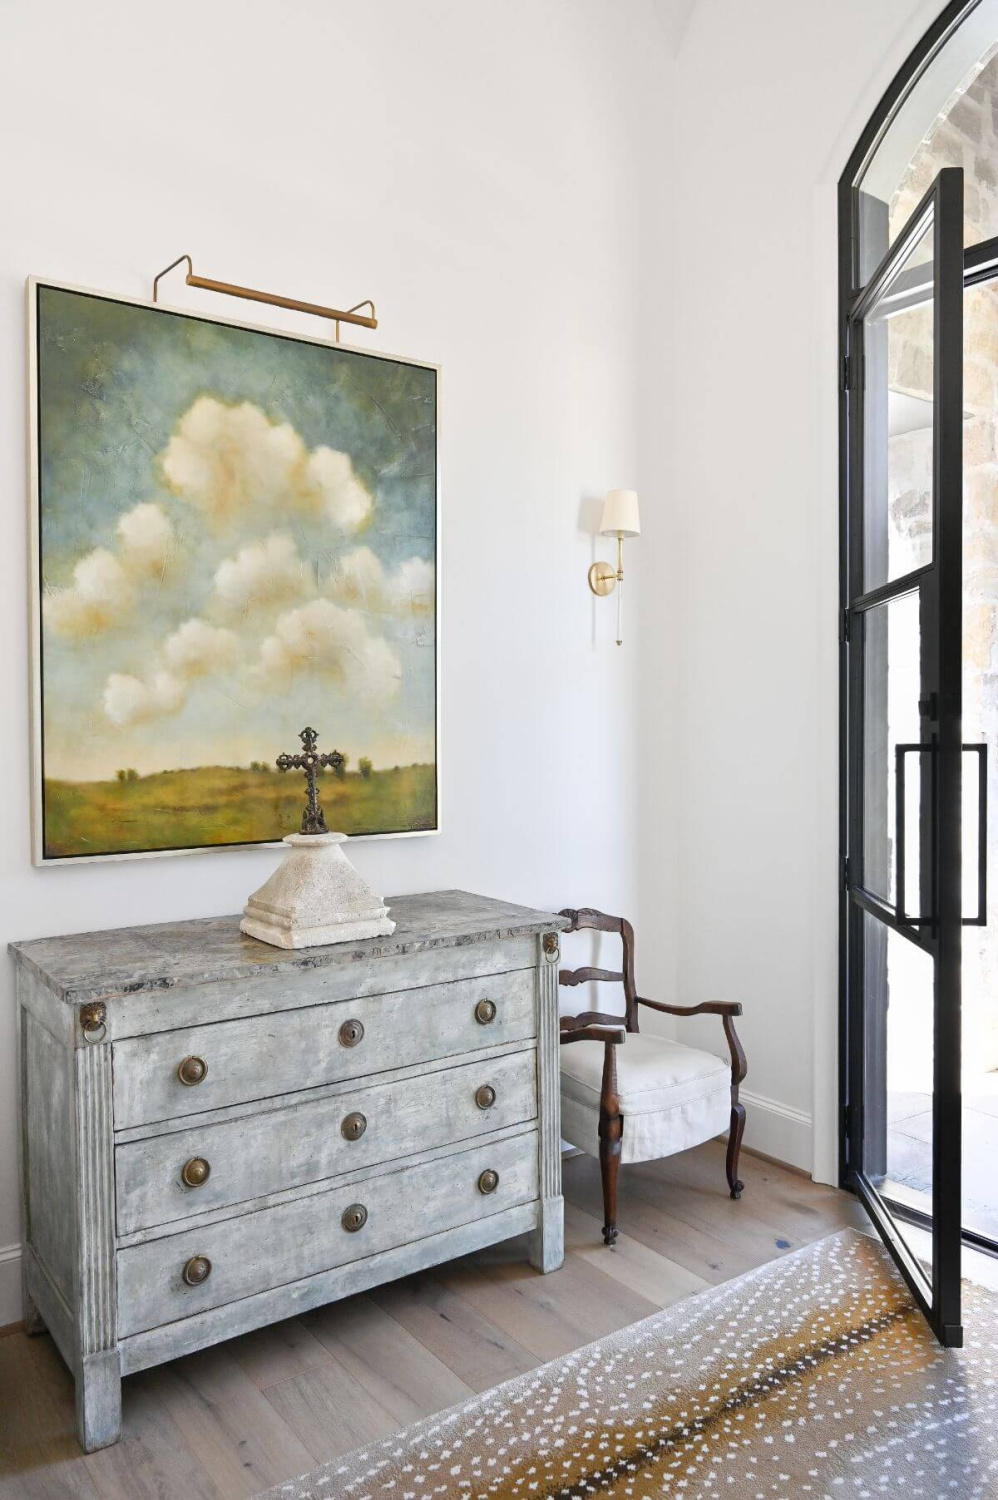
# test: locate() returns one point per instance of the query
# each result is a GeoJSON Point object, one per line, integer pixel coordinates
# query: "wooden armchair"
{"type": "Point", "coordinates": [630, 1097]}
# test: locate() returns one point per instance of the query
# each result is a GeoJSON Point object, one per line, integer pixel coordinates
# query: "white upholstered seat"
{"type": "Point", "coordinates": [671, 1097]}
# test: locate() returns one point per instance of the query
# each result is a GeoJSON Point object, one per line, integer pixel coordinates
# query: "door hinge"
{"type": "Point", "coordinates": [847, 1122]}
{"type": "Point", "coordinates": [852, 370]}
{"type": "Point", "coordinates": [844, 627]}
{"type": "Point", "coordinates": [844, 873]}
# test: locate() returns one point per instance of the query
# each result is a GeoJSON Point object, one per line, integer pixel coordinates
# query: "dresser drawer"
{"type": "Point", "coordinates": [304, 1142]}
{"type": "Point", "coordinates": [275, 1246]}
{"type": "Point", "coordinates": [263, 1057]}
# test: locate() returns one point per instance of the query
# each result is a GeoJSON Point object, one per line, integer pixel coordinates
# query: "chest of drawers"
{"type": "Point", "coordinates": [218, 1134]}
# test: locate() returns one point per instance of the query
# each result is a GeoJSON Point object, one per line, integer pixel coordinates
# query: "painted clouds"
{"type": "Point", "coordinates": [246, 494]}
{"type": "Point", "coordinates": [195, 650]}
{"type": "Point", "coordinates": [361, 579]}
{"type": "Point", "coordinates": [106, 583]}
{"type": "Point", "coordinates": [225, 459]}
{"type": "Point", "coordinates": [262, 573]}
{"type": "Point", "coordinates": [333, 642]}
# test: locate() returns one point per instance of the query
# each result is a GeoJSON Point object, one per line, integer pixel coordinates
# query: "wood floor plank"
{"type": "Point", "coordinates": [539, 1328]}
{"type": "Point", "coordinates": [779, 1211]}
{"type": "Point", "coordinates": [229, 1425]}
{"type": "Point", "coordinates": [549, 1315]}
{"type": "Point", "coordinates": [152, 1461]}
{"type": "Point", "coordinates": [40, 1458]}
{"type": "Point", "coordinates": [404, 1376]}
{"type": "Point", "coordinates": [269, 1355]}
{"type": "Point", "coordinates": [478, 1351]}
{"type": "Point", "coordinates": [51, 1482]}
{"type": "Point", "coordinates": [699, 1251]}
{"type": "Point", "coordinates": [653, 1276]}
{"type": "Point", "coordinates": [712, 1210]}
{"type": "Point", "coordinates": [783, 1199]}
{"type": "Point", "coordinates": [330, 1412]}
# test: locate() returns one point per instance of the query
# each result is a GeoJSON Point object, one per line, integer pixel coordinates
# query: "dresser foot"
{"type": "Point", "coordinates": [98, 1400]}
{"type": "Point", "coordinates": [547, 1241]}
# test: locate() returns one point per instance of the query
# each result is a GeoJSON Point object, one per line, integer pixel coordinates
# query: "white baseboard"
{"type": "Point", "coordinates": [11, 1307]}
{"type": "Point", "coordinates": [777, 1130]}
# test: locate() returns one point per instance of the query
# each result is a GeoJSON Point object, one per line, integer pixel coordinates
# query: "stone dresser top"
{"type": "Point", "coordinates": [128, 960]}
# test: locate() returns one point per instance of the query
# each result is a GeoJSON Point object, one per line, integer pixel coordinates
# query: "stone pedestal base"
{"type": "Point", "coordinates": [315, 897]}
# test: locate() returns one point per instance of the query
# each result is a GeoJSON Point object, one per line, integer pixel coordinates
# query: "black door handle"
{"type": "Point", "coordinates": [981, 751]}
{"type": "Point", "coordinates": [981, 920]}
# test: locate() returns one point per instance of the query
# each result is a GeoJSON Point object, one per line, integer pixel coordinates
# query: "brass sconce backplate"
{"type": "Point", "coordinates": [602, 578]}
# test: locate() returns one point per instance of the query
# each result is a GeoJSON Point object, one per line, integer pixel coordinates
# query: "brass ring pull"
{"type": "Point", "coordinates": [195, 1173]}
{"type": "Point", "coordinates": [351, 1032]}
{"type": "Point", "coordinates": [353, 1126]}
{"type": "Point", "coordinates": [485, 1012]}
{"type": "Point", "coordinates": [93, 1018]}
{"type": "Point", "coordinates": [192, 1071]}
{"type": "Point", "coordinates": [197, 1270]}
{"type": "Point", "coordinates": [354, 1218]}
{"type": "Point", "coordinates": [489, 1181]}
{"type": "Point", "coordinates": [485, 1097]}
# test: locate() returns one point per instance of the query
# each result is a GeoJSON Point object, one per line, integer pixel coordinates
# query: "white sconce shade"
{"type": "Point", "coordinates": [620, 518]}
{"type": "Point", "coordinates": [620, 514]}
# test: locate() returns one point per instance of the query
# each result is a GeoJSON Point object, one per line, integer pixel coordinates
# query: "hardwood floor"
{"type": "Point", "coordinates": [243, 1415]}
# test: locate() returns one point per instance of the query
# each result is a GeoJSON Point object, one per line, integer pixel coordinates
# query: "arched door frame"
{"type": "Point", "coordinates": [980, 263]}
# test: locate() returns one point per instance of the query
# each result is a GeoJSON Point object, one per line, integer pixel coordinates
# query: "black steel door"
{"type": "Point", "coordinates": [902, 629]}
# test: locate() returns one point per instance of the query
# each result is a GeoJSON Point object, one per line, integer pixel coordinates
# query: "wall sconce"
{"type": "Point", "coordinates": [620, 518]}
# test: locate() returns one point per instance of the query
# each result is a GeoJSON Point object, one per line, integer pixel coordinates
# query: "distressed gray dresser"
{"type": "Point", "coordinates": [217, 1133]}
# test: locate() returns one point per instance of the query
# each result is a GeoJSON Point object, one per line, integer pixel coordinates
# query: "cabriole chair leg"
{"type": "Point", "coordinates": [734, 1147]}
{"type": "Point", "coordinates": [611, 1129]}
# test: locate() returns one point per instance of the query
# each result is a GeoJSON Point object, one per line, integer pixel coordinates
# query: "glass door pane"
{"type": "Point", "coordinates": [904, 652]}
{"type": "Point", "coordinates": [891, 676]}
{"type": "Point", "coordinates": [922, 137]}
{"type": "Point", "coordinates": [980, 727]}
{"type": "Point", "coordinates": [898, 1086]}
{"type": "Point", "coordinates": [897, 420]}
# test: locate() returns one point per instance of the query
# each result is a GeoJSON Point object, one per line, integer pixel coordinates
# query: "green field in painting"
{"type": "Point", "coordinates": [226, 805]}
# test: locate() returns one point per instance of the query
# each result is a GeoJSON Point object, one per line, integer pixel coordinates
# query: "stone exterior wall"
{"type": "Point", "coordinates": [964, 134]}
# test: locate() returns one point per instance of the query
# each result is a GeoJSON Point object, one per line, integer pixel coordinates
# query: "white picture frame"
{"type": "Point", "coordinates": [34, 284]}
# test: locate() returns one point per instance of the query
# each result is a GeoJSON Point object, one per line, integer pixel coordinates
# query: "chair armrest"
{"type": "Point", "coordinates": [591, 1034]}
{"type": "Point", "coordinates": [705, 1008]}
{"type": "Point", "coordinates": [727, 1010]}
{"type": "Point", "coordinates": [594, 1026]}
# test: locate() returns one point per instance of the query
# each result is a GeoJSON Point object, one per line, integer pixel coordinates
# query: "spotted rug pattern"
{"type": "Point", "coordinates": [814, 1375]}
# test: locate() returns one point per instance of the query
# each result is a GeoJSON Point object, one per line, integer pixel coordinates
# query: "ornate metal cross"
{"type": "Point", "coordinates": [310, 761]}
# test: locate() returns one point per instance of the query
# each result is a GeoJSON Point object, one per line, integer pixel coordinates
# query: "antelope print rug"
{"type": "Point", "coordinates": [814, 1375]}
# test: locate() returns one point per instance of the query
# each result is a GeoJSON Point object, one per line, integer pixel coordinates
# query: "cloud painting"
{"type": "Point", "coordinates": [237, 537]}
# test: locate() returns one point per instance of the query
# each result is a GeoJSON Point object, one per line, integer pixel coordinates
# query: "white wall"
{"type": "Point", "coordinates": [771, 99]}
{"type": "Point", "coordinates": [626, 266]}
{"type": "Point", "coordinates": [480, 170]}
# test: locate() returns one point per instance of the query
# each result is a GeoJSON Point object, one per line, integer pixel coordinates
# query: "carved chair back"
{"type": "Point", "coordinates": [586, 919]}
